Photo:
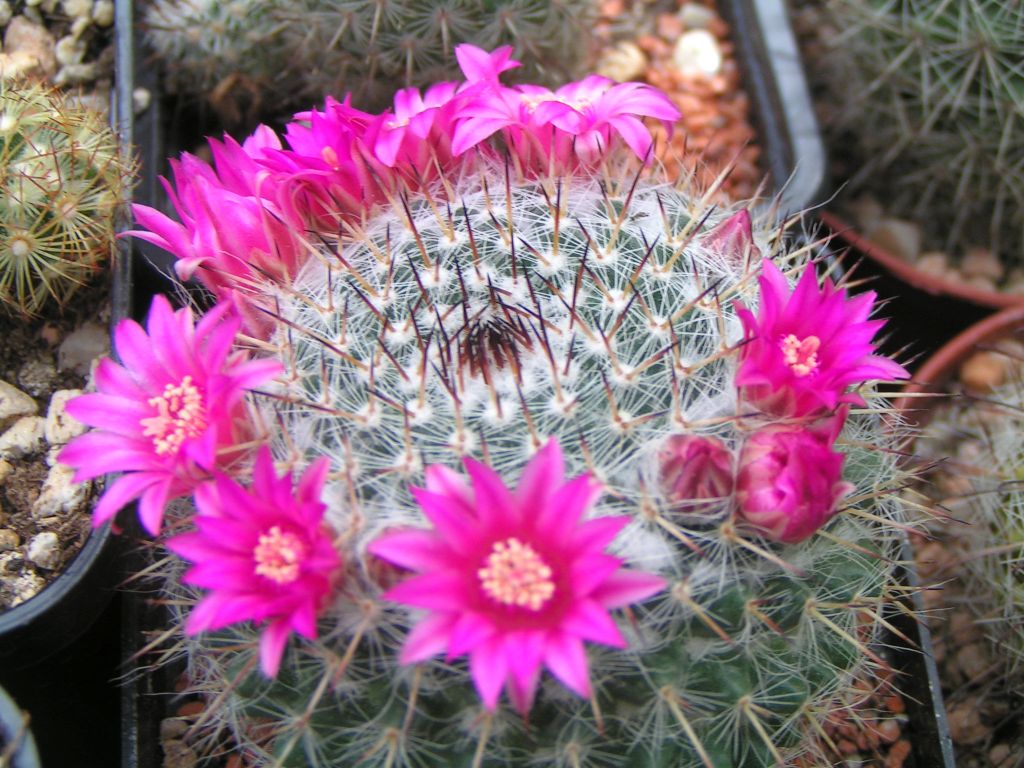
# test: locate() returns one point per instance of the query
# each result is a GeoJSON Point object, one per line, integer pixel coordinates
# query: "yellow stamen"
{"type": "Point", "coordinates": [515, 574]}
{"type": "Point", "coordinates": [278, 555]}
{"type": "Point", "coordinates": [801, 355]}
{"type": "Point", "coordinates": [181, 416]}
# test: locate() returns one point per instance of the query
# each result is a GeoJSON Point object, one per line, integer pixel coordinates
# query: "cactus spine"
{"type": "Point", "coordinates": [61, 185]}
{"type": "Point", "coordinates": [481, 320]}
{"type": "Point", "coordinates": [370, 49]}
{"type": "Point", "coordinates": [931, 95]}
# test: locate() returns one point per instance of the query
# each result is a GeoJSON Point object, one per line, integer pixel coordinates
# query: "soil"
{"type": "Point", "coordinates": [29, 361]}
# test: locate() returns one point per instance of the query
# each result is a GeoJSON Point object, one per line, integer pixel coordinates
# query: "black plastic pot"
{"type": "Point", "coordinates": [773, 77]}
{"type": "Point", "coordinates": [47, 623]}
{"type": "Point", "coordinates": [15, 737]}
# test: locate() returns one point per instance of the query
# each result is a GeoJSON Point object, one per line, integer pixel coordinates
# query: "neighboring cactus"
{"type": "Point", "coordinates": [986, 439]}
{"type": "Point", "coordinates": [484, 327]}
{"type": "Point", "coordinates": [370, 49]}
{"type": "Point", "coordinates": [928, 98]}
{"type": "Point", "coordinates": [61, 182]}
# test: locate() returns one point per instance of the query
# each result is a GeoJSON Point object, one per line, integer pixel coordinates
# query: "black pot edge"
{"type": "Point", "coordinates": [26, 756]}
{"type": "Point", "coordinates": [773, 77]}
{"type": "Point", "coordinates": [917, 675]}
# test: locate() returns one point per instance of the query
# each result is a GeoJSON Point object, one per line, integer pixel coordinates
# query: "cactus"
{"type": "Point", "coordinates": [62, 183]}
{"type": "Point", "coordinates": [930, 98]}
{"type": "Point", "coordinates": [986, 489]}
{"type": "Point", "coordinates": [370, 49]}
{"type": "Point", "coordinates": [482, 324]}
{"type": "Point", "coordinates": [650, 417]}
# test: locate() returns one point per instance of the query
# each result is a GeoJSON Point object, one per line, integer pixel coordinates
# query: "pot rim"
{"type": "Point", "coordinates": [930, 378]}
{"type": "Point", "coordinates": [911, 274]}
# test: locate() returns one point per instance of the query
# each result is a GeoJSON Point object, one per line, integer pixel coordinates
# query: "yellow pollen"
{"type": "Point", "coordinates": [330, 157]}
{"type": "Point", "coordinates": [514, 574]}
{"type": "Point", "coordinates": [278, 555]}
{"type": "Point", "coordinates": [801, 355]}
{"type": "Point", "coordinates": [180, 416]}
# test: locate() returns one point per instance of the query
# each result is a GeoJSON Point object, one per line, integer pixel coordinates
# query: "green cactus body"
{"type": "Point", "coordinates": [933, 97]}
{"type": "Point", "coordinates": [370, 49]}
{"type": "Point", "coordinates": [61, 184]}
{"type": "Point", "coordinates": [482, 323]}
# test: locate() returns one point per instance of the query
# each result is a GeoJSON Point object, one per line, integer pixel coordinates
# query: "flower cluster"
{"type": "Point", "coordinates": [518, 578]}
{"type": "Point", "coordinates": [801, 355]}
{"type": "Point", "coordinates": [338, 162]}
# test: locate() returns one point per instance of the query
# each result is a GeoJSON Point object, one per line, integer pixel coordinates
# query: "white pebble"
{"type": "Point", "coordinates": [24, 437]}
{"type": "Point", "coordinates": [697, 53]}
{"type": "Point", "coordinates": [61, 426]}
{"type": "Point", "coordinates": [69, 50]}
{"type": "Point", "coordinates": [60, 494]}
{"type": "Point", "coordinates": [82, 346]}
{"type": "Point", "coordinates": [622, 63]}
{"type": "Point", "coordinates": [14, 404]}
{"type": "Point", "coordinates": [75, 74]}
{"type": "Point", "coordinates": [44, 550]}
{"type": "Point", "coordinates": [77, 8]}
{"type": "Point", "coordinates": [696, 16]}
{"type": "Point", "coordinates": [25, 587]}
{"type": "Point", "coordinates": [141, 99]}
{"type": "Point", "coordinates": [103, 13]}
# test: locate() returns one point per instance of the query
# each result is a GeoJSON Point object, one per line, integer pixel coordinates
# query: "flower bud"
{"type": "Point", "coordinates": [790, 480]}
{"type": "Point", "coordinates": [694, 470]}
{"type": "Point", "coordinates": [733, 239]}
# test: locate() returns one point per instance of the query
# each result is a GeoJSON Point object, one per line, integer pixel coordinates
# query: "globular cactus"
{"type": "Point", "coordinates": [928, 96]}
{"type": "Point", "coordinates": [370, 49]}
{"type": "Point", "coordinates": [649, 417]}
{"type": "Point", "coordinates": [485, 324]}
{"type": "Point", "coordinates": [62, 181]}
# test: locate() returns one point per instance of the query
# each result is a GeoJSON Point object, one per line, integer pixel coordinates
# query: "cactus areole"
{"type": "Point", "coordinates": [539, 519]}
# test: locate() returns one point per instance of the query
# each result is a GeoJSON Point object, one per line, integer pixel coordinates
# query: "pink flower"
{"type": "Point", "coordinates": [514, 579]}
{"type": "Point", "coordinates": [733, 239]}
{"type": "Point", "coordinates": [694, 471]}
{"type": "Point", "coordinates": [480, 66]}
{"type": "Point", "coordinates": [578, 123]}
{"type": "Point", "coordinates": [790, 480]}
{"type": "Point", "coordinates": [168, 415]}
{"type": "Point", "coordinates": [804, 349]}
{"type": "Point", "coordinates": [265, 554]}
{"type": "Point", "coordinates": [595, 109]}
{"type": "Point", "coordinates": [260, 243]}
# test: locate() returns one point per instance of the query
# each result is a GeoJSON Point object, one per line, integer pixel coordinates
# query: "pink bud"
{"type": "Point", "coordinates": [790, 480]}
{"type": "Point", "coordinates": [694, 470]}
{"type": "Point", "coordinates": [733, 238]}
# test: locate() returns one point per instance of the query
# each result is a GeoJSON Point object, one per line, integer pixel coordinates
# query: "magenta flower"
{"type": "Point", "coordinates": [265, 554]}
{"type": "Point", "coordinates": [578, 123]}
{"type": "Point", "coordinates": [514, 579]}
{"type": "Point", "coordinates": [261, 243]}
{"type": "Point", "coordinates": [169, 415]}
{"type": "Point", "coordinates": [695, 470]}
{"type": "Point", "coordinates": [790, 480]}
{"type": "Point", "coordinates": [805, 349]}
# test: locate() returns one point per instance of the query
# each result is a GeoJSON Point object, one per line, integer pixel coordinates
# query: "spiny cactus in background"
{"type": "Point", "coordinates": [986, 438]}
{"type": "Point", "coordinates": [929, 96]}
{"type": "Point", "coordinates": [534, 388]}
{"type": "Point", "coordinates": [62, 180]}
{"type": "Point", "coordinates": [312, 47]}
